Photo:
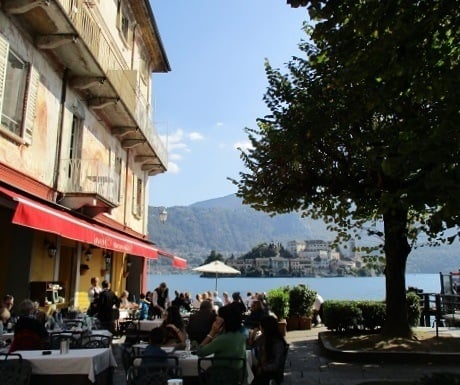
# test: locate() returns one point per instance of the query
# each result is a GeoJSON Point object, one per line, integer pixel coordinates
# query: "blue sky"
{"type": "Point", "coordinates": [216, 50]}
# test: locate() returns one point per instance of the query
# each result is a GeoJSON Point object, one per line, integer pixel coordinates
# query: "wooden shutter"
{"type": "Point", "coordinates": [31, 105]}
{"type": "Point", "coordinates": [4, 49]}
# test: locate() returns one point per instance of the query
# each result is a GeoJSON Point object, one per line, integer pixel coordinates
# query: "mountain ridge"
{"type": "Point", "coordinates": [231, 228]}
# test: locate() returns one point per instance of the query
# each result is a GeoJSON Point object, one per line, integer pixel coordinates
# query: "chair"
{"type": "Point", "coordinates": [149, 370]}
{"type": "Point", "coordinates": [72, 323]}
{"type": "Point", "coordinates": [130, 330]}
{"type": "Point", "coordinates": [222, 370]}
{"type": "Point", "coordinates": [14, 371]}
{"type": "Point", "coordinates": [56, 338]}
{"type": "Point", "coordinates": [95, 341]}
{"type": "Point", "coordinates": [126, 357]}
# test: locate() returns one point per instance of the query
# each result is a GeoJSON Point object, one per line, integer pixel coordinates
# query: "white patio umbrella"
{"type": "Point", "coordinates": [216, 267]}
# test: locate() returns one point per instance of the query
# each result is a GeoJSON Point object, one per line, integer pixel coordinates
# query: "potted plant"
{"type": "Point", "coordinates": [301, 300]}
{"type": "Point", "coordinates": [278, 301]}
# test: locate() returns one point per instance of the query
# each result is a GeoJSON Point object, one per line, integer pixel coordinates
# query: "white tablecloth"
{"type": "Point", "coordinates": [77, 361]}
{"type": "Point", "coordinates": [147, 325]}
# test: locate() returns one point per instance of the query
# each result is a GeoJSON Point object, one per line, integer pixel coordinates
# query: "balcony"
{"type": "Point", "coordinates": [69, 32]}
{"type": "Point", "coordinates": [89, 186]}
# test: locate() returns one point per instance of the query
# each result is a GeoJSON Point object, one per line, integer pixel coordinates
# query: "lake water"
{"type": "Point", "coordinates": [352, 288]}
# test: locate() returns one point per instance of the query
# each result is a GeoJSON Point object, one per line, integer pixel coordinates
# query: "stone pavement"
{"type": "Point", "coordinates": [307, 363]}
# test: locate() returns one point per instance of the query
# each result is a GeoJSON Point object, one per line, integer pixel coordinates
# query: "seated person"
{"type": "Point", "coordinates": [257, 313]}
{"type": "Point", "coordinates": [156, 339]}
{"type": "Point", "coordinates": [179, 301]}
{"type": "Point", "coordinates": [4, 317]}
{"type": "Point", "coordinates": [174, 327]}
{"type": "Point", "coordinates": [125, 303]}
{"type": "Point", "coordinates": [225, 340]}
{"type": "Point", "coordinates": [200, 322]}
{"type": "Point", "coordinates": [29, 333]}
{"type": "Point", "coordinates": [143, 307]}
{"type": "Point", "coordinates": [269, 350]}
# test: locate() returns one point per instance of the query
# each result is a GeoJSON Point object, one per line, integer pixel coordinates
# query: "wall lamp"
{"type": "Point", "coordinates": [88, 254]}
{"type": "Point", "coordinates": [51, 248]}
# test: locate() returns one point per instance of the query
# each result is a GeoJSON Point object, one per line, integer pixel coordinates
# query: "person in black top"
{"type": "Point", "coordinates": [107, 306]}
{"type": "Point", "coordinates": [200, 322]}
{"type": "Point", "coordinates": [160, 299]}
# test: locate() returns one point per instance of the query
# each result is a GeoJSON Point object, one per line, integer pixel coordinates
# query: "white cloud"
{"type": "Point", "coordinates": [195, 136]}
{"type": "Point", "coordinates": [219, 124]}
{"type": "Point", "coordinates": [246, 145]}
{"type": "Point", "coordinates": [175, 156]}
{"type": "Point", "coordinates": [173, 168]}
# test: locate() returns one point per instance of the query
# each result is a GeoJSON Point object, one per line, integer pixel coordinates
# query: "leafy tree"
{"type": "Point", "coordinates": [214, 256]}
{"type": "Point", "coordinates": [365, 128]}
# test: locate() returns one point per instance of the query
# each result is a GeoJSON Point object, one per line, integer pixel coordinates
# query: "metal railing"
{"type": "Point", "coordinates": [122, 79]}
{"type": "Point", "coordinates": [89, 176]}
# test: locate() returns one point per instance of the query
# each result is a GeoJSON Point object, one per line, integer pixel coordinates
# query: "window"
{"type": "Point", "coordinates": [137, 197]}
{"type": "Point", "coordinates": [123, 23]}
{"type": "Point", "coordinates": [18, 93]}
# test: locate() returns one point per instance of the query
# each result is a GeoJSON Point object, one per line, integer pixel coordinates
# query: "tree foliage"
{"type": "Point", "coordinates": [213, 256]}
{"type": "Point", "coordinates": [365, 128]}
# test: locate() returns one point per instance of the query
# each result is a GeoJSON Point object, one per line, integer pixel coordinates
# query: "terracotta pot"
{"type": "Point", "coordinates": [282, 327]}
{"type": "Point", "coordinates": [304, 323]}
{"type": "Point", "coordinates": [292, 323]}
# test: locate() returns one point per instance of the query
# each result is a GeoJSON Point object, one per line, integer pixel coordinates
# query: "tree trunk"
{"type": "Point", "coordinates": [397, 250]}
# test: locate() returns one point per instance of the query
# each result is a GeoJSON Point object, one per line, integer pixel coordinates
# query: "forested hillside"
{"type": "Point", "coordinates": [227, 226]}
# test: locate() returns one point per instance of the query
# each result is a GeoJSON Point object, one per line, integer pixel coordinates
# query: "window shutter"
{"type": "Point", "coordinates": [4, 48]}
{"type": "Point", "coordinates": [31, 104]}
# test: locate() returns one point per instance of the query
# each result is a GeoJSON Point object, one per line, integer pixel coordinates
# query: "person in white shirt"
{"type": "Point", "coordinates": [94, 290]}
{"type": "Point", "coordinates": [318, 310]}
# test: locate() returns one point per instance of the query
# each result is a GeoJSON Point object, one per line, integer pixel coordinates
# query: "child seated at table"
{"type": "Point", "coordinates": [156, 339]}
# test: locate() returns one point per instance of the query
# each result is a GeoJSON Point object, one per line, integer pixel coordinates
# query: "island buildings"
{"type": "Point", "coordinates": [77, 145]}
{"type": "Point", "coordinates": [307, 258]}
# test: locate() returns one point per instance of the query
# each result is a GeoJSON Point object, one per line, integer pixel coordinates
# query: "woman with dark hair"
{"type": "Point", "coordinates": [225, 338]}
{"type": "Point", "coordinates": [174, 327]}
{"type": "Point", "coordinates": [270, 353]}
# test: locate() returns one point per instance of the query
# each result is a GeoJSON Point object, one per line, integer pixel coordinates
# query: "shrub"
{"type": "Point", "coordinates": [373, 314]}
{"type": "Point", "coordinates": [301, 300]}
{"type": "Point", "coordinates": [278, 301]}
{"type": "Point", "coordinates": [414, 309]}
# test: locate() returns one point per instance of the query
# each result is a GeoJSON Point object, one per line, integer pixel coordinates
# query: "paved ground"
{"type": "Point", "coordinates": [307, 363]}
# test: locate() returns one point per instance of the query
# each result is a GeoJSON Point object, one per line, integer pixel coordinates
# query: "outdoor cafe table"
{"type": "Point", "coordinates": [148, 325]}
{"type": "Point", "coordinates": [77, 367]}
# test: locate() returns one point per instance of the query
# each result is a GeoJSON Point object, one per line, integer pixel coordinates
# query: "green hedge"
{"type": "Point", "coordinates": [342, 316]}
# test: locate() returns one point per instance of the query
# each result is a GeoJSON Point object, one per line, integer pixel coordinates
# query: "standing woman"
{"type": "Point", "coordinates": [270, 351]}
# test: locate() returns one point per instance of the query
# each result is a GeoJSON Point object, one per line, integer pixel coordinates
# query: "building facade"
{"type": "Point", "coordinates": [77, 143]}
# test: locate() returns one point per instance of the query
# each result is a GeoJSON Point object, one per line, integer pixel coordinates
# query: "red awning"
{"type": "Point", "coordinates": [43, 217]}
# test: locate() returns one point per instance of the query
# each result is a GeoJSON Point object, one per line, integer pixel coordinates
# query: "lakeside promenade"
{"type": "Point", "coordinates": [308, 364]}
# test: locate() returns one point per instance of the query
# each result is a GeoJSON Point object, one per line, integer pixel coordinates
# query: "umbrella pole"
{"type": "Point", "coordinates": [216, 281]}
